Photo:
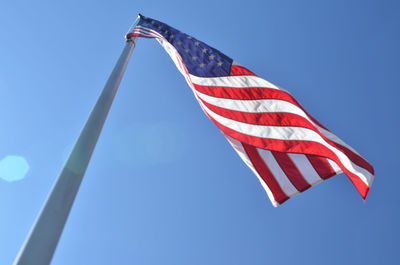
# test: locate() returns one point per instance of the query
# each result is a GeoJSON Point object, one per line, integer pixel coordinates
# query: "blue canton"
{"type": "Point", "coordinates": [199, 58]}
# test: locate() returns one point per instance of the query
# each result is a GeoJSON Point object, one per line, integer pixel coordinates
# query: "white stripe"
{"type": "Point", "coordinates": [148, 30]}
{"type": "Point", "coordinates": [240, 81]}
{"type": "Point", "coordinates": [335, 139]}
{"type": "Point", "coordinates": [334, 166]}
{"type": "Point", "coordinates": [146, 35]}
{"type": "Point", "coordinates": [306, 169]}
{"type": "Point", "coordinates": [365, 173]}
{"type": "Point", "coordinates": [286, 133]}
{"type": "Point", "coordinates": [278, 173]}
{"type": "Point", "coordinates": [141, 30]}
{"type": "Point", "coordinates": [254, 106]}
{"type": "Point", "coordinates": [237, 145]}
{"type": "Point", "coordinates": [265, 131]}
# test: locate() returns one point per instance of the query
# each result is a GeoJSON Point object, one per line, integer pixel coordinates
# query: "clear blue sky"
{"type": "Point", "coordinates": [164, 186]}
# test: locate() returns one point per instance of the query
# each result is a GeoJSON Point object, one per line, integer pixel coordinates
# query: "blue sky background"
{"type": "Point", "coordinates": [164, 186]}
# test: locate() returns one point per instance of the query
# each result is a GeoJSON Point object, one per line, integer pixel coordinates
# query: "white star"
{"type": "Point", "coordinates": [187, 50]}
{"type": "Point", "coordinates": [219, 63]}
{"type": "Point", "coordinates": [179, 43]}
{"type": "Point", "coordinates": [202, 65]}
{"type": "Point", "coordinates": [212, 56]}
{"type": "Point", "coordinates": [197, 43]}
{"type": "Point", "coordinates": [152, 22]}
{"type": "Point", "coordinates": [194, 58]}
{"type": "Point", "coordinates": [204, 50]}
{"type": "Point", "coordinates": [166, 32]}
{"type": "Point", "coordinates": [189, 37]}
{"type": "Point", "coordinates": [160, 27]}
{"type": "Point", "coordinates": [172, 36]}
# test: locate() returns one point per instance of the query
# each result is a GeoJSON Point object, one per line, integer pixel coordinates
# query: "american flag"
{"type": "Point", "coordinates": [287, 149]}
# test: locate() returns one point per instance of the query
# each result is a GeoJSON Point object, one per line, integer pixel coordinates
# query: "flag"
{"type": "Point", "coordinates": [287, 149]}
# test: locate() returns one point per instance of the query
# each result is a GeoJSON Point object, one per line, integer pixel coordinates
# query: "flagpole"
{"type": "Point", "coordinates": [41, 242]}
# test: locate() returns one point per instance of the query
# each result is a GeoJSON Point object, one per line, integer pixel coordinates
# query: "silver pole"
{"type": "Point", "coordinates": [39, 246]}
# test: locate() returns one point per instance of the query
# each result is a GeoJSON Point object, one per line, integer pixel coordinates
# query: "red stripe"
{"type": "Point", "coordinates": [140, 32]}
{"type": "Point", "coordinates": [143, 35]}
{"type": "Point", "coordinates": [291, 171]}
{"type": "Point", "coordinates": [240, 70]}
{"type": "Point", "coordinates": [265, 173]}
{"type": "Point", "coordinates": [360, 186]}
{"type": "Point", "coordinates": [355, 158]}
{"type": "Point", "coordinates": [265, 118]}
{"type": "Point", "coordinates": [322, 166]}
{"type": "Point", "coordinates": [147, 30]}
{"type": "Point", "coordinates": [138, 35]}
{"type": "Point", "coordinates": [134, 34]}
{"type": "Point", "coordinates": [248, 93]}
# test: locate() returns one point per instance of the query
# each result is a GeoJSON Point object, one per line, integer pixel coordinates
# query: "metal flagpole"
{"type": "Point", "coordinates": [39, 246]}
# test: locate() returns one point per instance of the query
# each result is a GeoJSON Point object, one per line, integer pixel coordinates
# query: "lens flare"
{"type": "Point", "coordinates": [13, 168]}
